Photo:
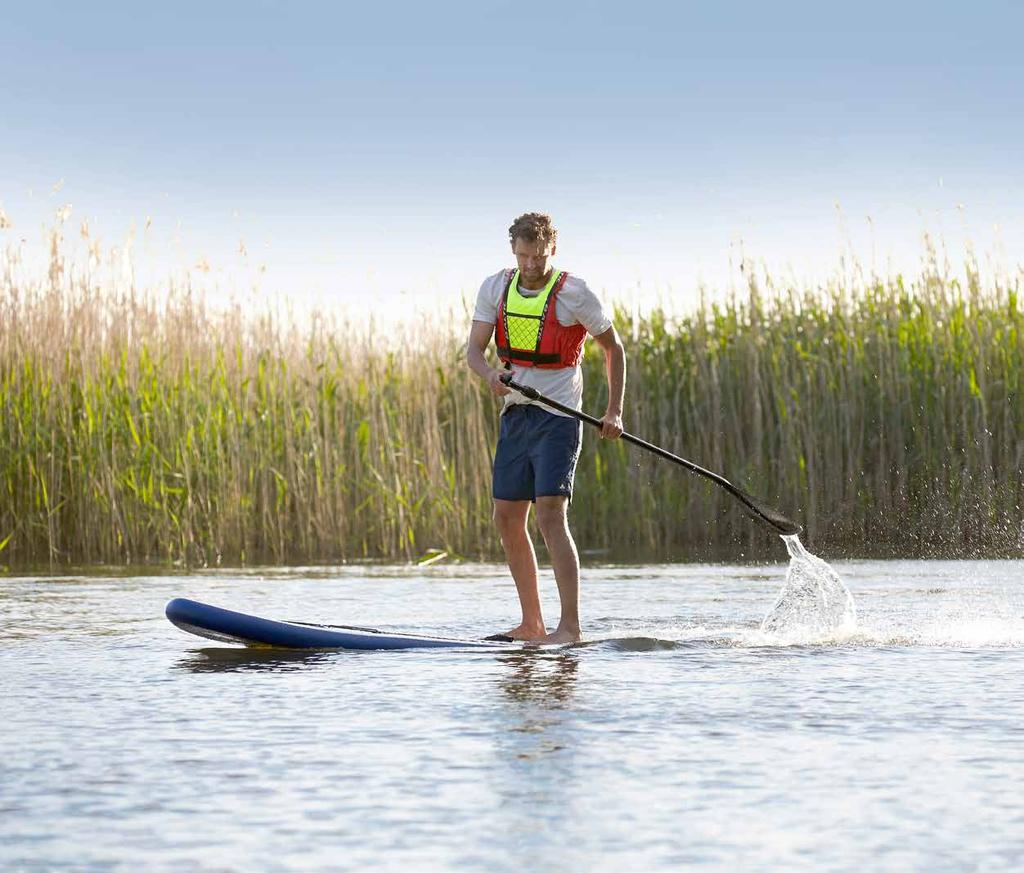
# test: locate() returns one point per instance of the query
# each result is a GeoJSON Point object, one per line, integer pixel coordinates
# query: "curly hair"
{"type": "Point", "coordinates": [533, 227]}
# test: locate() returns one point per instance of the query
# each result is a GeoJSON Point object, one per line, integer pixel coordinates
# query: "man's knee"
{"type": "Point", "coordinates": [511, 515]}
{"type": "Point", "coordinates": [551, 514]}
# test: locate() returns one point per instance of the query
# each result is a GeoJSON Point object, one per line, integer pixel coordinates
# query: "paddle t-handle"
{"type": "Point", "coordinates": [755, 508]}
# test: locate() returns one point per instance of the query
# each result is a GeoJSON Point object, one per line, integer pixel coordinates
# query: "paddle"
{"type": "Point", "coordinates": [754, 507]}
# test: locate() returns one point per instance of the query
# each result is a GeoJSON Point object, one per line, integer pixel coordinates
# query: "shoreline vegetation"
{"type": "Point", "coordinates": [883, 413]}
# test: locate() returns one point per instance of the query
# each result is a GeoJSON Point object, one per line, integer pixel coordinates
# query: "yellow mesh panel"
{"type": "Point", "coordinates": [522, 332]}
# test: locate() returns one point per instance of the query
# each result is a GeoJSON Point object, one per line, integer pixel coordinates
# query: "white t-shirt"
{"type": "Point", "coordinates": [575, 304]}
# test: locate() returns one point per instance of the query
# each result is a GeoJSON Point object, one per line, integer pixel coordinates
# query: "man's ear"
{"type": "Point", "coordinates": [554, 248]}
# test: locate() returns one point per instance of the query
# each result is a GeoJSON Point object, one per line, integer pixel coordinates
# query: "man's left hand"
{"type": "Point", "coordinates": [611, 426]}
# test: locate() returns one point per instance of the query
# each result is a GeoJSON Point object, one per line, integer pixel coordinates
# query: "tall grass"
{"type": "Point", "coordinates": [885, 414]}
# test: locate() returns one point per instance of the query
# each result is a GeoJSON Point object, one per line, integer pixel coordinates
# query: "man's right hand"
{"type": "Point", "coordinates": [498, 388]}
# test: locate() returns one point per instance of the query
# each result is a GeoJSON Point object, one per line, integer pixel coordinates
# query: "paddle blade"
{"type": "Point", "coordinates": [767, 515]}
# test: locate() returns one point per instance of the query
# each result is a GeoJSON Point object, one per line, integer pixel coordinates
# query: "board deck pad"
{"type": "Point", "coordinates": [228, 626]}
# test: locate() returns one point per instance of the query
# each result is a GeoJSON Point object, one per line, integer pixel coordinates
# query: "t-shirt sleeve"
{"type": "Point", "coordinates": [588, 310]}
{"type": "Point", "coordinates": [487, 299]}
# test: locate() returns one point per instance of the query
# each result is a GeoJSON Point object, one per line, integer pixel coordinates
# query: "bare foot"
{"type": "Point", "coordinates": [526, 632]}
{"type": "Point", "coordinates": [560, 637]}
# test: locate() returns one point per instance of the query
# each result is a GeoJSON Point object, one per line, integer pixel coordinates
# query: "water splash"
{"type": "Point", "coordinates": [813, 601]}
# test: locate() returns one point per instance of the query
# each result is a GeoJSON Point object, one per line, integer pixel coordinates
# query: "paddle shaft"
{"type": "Point", "coordinates": [778, 522]}
{"type": "Point", "coordinates": [534, 394]}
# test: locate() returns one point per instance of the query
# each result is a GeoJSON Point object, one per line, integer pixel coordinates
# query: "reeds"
{"type": "Point", "coordinates": [884, 414]}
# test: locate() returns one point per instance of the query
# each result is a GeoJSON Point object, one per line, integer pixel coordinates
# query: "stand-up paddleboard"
{"type": "Point", "coordinates": [227, 626]}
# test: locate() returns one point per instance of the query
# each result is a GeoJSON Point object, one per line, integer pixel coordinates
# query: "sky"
{"type": "Point", "coordinates": [373, 155]}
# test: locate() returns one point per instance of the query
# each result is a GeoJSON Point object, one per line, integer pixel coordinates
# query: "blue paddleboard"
{"type": "Point", "coordinates": [227, 626]}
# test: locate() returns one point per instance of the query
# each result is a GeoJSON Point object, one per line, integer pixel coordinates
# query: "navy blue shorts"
{"type": "Point", "coordinates": [536, 454]}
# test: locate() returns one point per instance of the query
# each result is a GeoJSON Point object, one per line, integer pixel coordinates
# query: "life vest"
{"type": "Point", "coordinates": [527, 331]}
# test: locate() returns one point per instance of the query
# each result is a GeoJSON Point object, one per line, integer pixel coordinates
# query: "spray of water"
{"type": "Point", "coordinates": [813, 601]}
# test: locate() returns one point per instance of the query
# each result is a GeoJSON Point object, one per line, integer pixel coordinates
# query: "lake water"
{"type": "Point", "coordinates": [681, 737]}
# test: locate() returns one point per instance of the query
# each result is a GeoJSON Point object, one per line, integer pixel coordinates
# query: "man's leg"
{"type": "Point", "coordinates": [510, 517]}
{"type": "Point", "coordinates": [552, 518]}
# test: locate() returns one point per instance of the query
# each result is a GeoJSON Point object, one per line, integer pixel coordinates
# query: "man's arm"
{"type": "Point", "coordinates": [479, 337]}
{"type": "Point", "coordinates": [615, 370]}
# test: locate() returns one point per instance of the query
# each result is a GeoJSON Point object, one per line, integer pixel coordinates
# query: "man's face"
{"type": "Point", "coordinates": [532, 259]}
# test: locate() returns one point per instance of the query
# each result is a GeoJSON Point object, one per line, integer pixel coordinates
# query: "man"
{"type": "Point", "coordinates": [540, 317]}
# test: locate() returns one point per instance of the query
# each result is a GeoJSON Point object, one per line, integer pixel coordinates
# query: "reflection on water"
{"type": "Point", "coordinates": [226, 660]}
{"type": "Point", "coordinates": [538, 686]}
{"type": "Point", "coordinates": [538, 677]}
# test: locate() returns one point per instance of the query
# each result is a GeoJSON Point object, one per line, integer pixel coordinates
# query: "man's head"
{"type": "Point", "coordinates": [533, 238]}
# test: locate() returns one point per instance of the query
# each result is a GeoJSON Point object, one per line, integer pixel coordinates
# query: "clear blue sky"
{"type": "Point", "coordinates": [385, 147]}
